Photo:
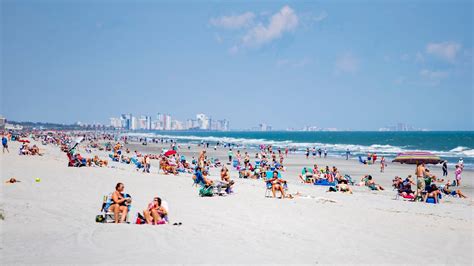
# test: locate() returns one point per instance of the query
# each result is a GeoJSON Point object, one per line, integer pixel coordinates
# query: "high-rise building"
{"type": "Point", "coordinates": [167, 122]}
{"type": "Point", "coordinates": [115, 122]}
{"type": "Point", "coordinates": [203, 121]}
{"type": "Point", "coordinates": [126, 120]}
{"type": "Point", "coordinates": [134, 123]}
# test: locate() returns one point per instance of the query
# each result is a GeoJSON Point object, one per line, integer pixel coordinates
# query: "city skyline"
{"type": "Point", "coordinates": [166, 122]}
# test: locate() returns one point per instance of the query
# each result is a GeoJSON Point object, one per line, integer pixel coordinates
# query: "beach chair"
{"type": "Point", "coordinates": [109, 217]}
{"type": "Point", "coordinates": [136, 162]}
{"type": "Point", "coordinates": [268, 185]}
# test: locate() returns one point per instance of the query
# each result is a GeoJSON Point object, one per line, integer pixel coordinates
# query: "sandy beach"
{"type": "Point", "coordinates": [53, 221]}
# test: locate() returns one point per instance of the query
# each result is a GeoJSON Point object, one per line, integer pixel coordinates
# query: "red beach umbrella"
{"type": "Point", "coordinates": [170, 152]}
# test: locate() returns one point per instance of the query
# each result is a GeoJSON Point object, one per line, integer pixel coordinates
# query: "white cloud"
{"type": "Point", "coordinates": [322, 16]}
{"type": "Point", "coordinates": [444, 50]}
{"type": "Point", "coordinates": [434, 77]}
{"type": "Point", "coordinates": [283, 21]}
{"type": "Point", "coordinates": [346, 63]}
{"type": "Point", "coordinates": [234, 22]}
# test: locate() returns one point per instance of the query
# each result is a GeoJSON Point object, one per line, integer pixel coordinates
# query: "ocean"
{"type": "Point", "coordinates": [450, 145]}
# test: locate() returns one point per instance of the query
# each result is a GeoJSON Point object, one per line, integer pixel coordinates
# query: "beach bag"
{"type": "Point", "coordinates": [140, 219]}
{"type": "Point", "coordinates": [205, 192]}
{"type": "Point", "coordinates": [100, 218]}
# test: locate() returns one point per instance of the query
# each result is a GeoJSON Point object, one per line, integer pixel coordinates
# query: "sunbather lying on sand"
{"type": "Point", "coordinates": [155, 213]}
{"type": "Point", "coordinates": [343, 186]}
{"type": "Point", "coordinates": [370, 183]}
{"type": "Point", "coordinates": [456, 192]}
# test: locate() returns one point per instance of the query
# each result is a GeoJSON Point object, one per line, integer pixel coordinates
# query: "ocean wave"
{"type": "Point", "coordinates": [381, 149]}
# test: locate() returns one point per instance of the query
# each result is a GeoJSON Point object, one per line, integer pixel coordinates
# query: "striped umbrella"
{"type": "Point", "coordinates": [417, 157]}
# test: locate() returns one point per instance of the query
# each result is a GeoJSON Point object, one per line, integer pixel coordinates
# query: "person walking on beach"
{"type": "Point", "coordinates": [325, 153]}
{"type": "Point", "coordinates": [5, 144]}
{"type": "Point", "coordinates": [307, 153]}
{"type": "Point", "coordinates": [319, 152]}
{"type": "Point", "coordinates": [347, 154]}
{"type": "Point", "coordinates": [382, 164]}
{"type": "Point", "coordinates": [445, 168]}
{"type": "Point", "coordinates": [374, 157]}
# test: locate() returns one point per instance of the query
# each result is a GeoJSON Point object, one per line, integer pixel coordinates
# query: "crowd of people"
{"type": "Point", "coordinates": [268, 164]}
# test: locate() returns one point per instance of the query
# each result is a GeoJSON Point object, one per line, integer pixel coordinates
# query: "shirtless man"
{"type": "Point", "coordinates": [420, 181]}
{"type": "Point", "coordinates": [120, 203]}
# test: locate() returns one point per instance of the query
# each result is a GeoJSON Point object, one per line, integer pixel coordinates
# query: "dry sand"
{"type": "Point", "coordinates": [53, 221]}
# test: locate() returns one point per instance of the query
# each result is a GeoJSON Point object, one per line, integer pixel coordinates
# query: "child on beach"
{"type": "Point", "coordinates": [457, 175]}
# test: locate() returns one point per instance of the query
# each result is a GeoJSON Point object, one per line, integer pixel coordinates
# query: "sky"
{"type": "Point", "coordinates": [357, 65]}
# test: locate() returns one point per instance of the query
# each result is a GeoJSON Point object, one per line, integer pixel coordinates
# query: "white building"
{"type": "Point", "coordinates": [203, 121]}
{"type": "Point", "coordinates": [115, 122]}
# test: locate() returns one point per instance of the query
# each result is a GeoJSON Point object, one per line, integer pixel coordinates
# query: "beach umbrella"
{"type": "Point", "coordinates": [170, 152]}
{"type": "Point", "coordinates": [417, 157]}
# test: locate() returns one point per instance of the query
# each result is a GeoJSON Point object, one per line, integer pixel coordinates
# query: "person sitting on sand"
{"type": "Point", "coordinates": [306, 175]}
{"type": "Point", "coordinates": [155, 213]}
{"type": "Point", "coordinates": [397, 182]}
{"type": "Point", "coordinates": [432, 191]}
{"type": "Point", "coordinates": [456, 192]}
{"type": "Point", "coordinates": [120, 204]}
{"type": "Point", "coordinates": [225, 176]}
{"type": "Point", "coordinates": [199, 177]}
{"type": "Point", "coordinates": [343, 187]}
{"type": "Point", "coordinates": [370, 183]}
{"type": "Point", "coordinates": [277, 184]}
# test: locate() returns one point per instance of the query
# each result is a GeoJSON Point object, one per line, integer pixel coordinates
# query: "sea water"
{"type": "Point", "coordinates": [449, 145]}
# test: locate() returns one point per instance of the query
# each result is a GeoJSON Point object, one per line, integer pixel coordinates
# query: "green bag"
{"type": "Point", "coordinates": [205, 192]}
{"type": "Point", "coordinates": [100, 218]}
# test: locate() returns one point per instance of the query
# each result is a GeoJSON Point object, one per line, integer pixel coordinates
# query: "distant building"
{"type": "Point", "coordinates": [203, 121]}
{"type": "Point", "coordinates": [115, 122]}
{"type": "Point", "coordinates": [134, 123]}
{"type": "Point", "coordinates": [264, 127]}
{"type": "Point", "coordinates": [3, 121]}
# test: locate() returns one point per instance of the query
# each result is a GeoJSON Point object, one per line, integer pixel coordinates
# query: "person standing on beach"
{"type": "Point", "coordinates": [319, 152]}
{"type": "Point", "coordinates": [230, 154]}
{"type": "Point", "coordinates": [347, 154]}
{"type": "Point", "coordinates": [307, 153]}
{"type": "Point", "coordinates": [420, 180]}
{"type": "Point", "coordinates": [374, 157]}
{"type": "Point", "coordinates": [286, 152]}
{"type": "Point", "coordinates": [325, 153]}
{"type": "Point", "coordinates": [457, 175]}
{"type": "Point", "coordinates": [382, 164]}
{"type": "Point", "coordinates": [445, 168]}
{"type": "Point", "coordinates": [5, 144]}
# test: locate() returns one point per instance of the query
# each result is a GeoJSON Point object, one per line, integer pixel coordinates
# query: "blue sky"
{"type": "Point", "coordinates": [347, 64]}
